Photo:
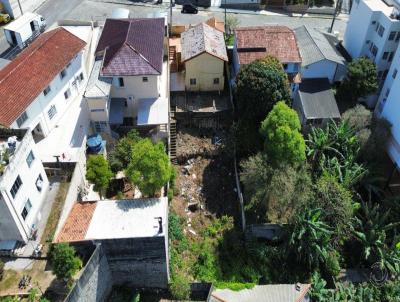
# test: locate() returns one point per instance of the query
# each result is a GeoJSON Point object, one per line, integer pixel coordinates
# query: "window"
{"type": "Point", "coordinates": [81, 76]}
{"type": "Point", "coordinates": [26, 209]}
{"type": "Point", "coordinates": [377, 26]}
{"type": "Point", "coordinates": [46, 90]}
{"type": "Point", "coordinates": [63, 73]}
{"type": "Point", "coordinates": [392, 35]}
{"type": "Point", "coordinates": [385, 55]}
{"type": "Point", "coordinates": [67, 94]}
{"type": "Point", "coordinates": [387, 92]}
{"type": "Point", "coordinates": [380, 73]}
{"type": "Point", "coordinates": [216, 81]}
{"type": "Point", "coordinates": [97, 110]}
{"type": "Point", "coordinates": [39, 183]}
{"type": "Point", "coordinates": [385, 73]}
{"type": "Point", "coordinates": [397, 37]}
{"type": "Point", "coordinates": [394, 74]}
{"type": "Point", "coordinates": [30, 158]}
{"type": "Point", "coordinates": [15, 187]}
{"type": "Point", "coordinates": [373, 49]}
{"type": "Point", "coordinates": [192, 81]}
{"type": "Point", "coordinates": [68, 65]}
{"type": "Point", "coordinates": [22, 119]}
{"type": "Point", "coordinates": [121, 82]}
{"type": "Point", "coordinates": [100, 126]}
{"type": "Point", "coordinates": [381, 30]}
{"type": "Point", "coordinates": [145, 79]}
{"type": "Point", "coordinates": [52, 111]}
{"type": "Point", "coordinates": [391, 56]}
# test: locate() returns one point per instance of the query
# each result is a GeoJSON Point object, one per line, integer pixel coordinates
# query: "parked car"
{"type": "Point", "coordinates": [189, 8]}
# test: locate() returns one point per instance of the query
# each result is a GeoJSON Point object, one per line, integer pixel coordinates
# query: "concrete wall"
{"type": "Point", "coordinates": [321, 69]}
{"type": "Point", "coordinates": [37, 111]}
{"type": "Point", "coordinates": [28, 190]}
{"type": "Point", "coordinates": [134, 86]}
{"type": "Point", "coordinates": [95, 283]}
{"type": "Point", "coordinates": [139, 262]}
{"type": "Point", "coordinates": [204, 68]}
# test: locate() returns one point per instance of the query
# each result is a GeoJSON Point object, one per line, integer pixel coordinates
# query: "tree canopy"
{"type": "Point", "coordinates": [120, 157]}
{"type": "Point", "coordinates": [149, 167]}
{"type": "Point", "coordinates": [283, 141]}
{"type": "Point", "coordinates": [98, 172]}
{"type": "Point", "coordinates": [259, 86]}
{"type": "Point", "coordinates": [65, 263]}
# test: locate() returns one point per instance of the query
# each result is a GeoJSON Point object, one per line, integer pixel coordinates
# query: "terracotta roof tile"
{"type": "Point", "coordinates": [257, 42]}
{"type": "Point", "coordinates": [22, 80]}
{"type": "Point", "coordinates": [132, 46]}
{"type": "Point", "coordinates": [77, 223]}
{"type": "Point", "coordinates": [217, 24]}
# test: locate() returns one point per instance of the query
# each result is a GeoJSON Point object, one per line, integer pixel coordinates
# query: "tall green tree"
{"type": "Point", "coordinates": [283, 141]}
{"type": "Point", "coordinates": [98, 172]}
{"type": "Point", "coordinates": [361, 80]}
{"type": "Point", "coordinates": [149, 167]}
{"type": "Point", "coordinates": [64, 262]}
{"type": "Point", "coordinates": [259, 86]}
{"type": "Point", "coordinates": [120, 157]}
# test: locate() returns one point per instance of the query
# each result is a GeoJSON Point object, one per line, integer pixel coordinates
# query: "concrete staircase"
{"type": "Point", "coordinates": [172, 135]}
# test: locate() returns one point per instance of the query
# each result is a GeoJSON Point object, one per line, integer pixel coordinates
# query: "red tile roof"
{"type": "Point", "coordinates": [22, 80]}
{"type": "Point", "coordinates": [77, 223]}
{"type": "Point", "coordinates": [132, 47]}
{"type": "Point", "coordinates": [257, 42]}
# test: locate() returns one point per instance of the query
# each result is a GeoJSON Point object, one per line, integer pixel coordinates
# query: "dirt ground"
{"type": "Point", "coordinates": [205, 180]}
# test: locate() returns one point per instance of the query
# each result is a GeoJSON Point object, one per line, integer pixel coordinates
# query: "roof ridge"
{"type": "Point", "coordinates": [312, 39]}
{"type": "Point", "coordinates": [50, 34]}
{"type": "Point", "coordinates": [142, 56]}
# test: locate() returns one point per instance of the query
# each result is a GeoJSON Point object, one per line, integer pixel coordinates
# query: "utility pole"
{"type": "Point", "coordinates": [338, 7]}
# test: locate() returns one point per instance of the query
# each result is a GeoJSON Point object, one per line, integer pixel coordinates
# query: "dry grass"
{"type": "Point", "coordinates": [55, 214]}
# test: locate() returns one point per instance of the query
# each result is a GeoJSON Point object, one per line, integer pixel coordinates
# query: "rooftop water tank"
{"type": "Point", "coordinates": [94, 143]}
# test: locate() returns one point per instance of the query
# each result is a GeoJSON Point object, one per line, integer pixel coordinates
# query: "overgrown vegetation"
{"type": "Point", "coordinates": [99, 173]}
{"type": "Point", "coordinates": [65, 264]}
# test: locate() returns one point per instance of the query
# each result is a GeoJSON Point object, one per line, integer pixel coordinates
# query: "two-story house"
{"type": "Point", "coordinates": [23, 185]}
{"type": "Point", "coordinates": [39, 85]}
{"type": "Point", "coordinates": [373, 31]}
{"type": "Point", "coordinates": [252, 43]}
{"type": "Point", "coordinates": [128, 84]}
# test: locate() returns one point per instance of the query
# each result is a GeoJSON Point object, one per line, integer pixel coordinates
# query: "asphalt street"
{"type": "Point", "coordinates": [98, 10]}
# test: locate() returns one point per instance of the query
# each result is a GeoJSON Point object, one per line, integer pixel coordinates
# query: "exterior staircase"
{"type": "Point", "coordinates": [172, 136]}
{"type": "Point", "coordinates": [172, 59]}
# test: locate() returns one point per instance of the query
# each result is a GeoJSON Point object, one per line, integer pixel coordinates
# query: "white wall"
{"type": "Point", "coordinates": [134, 86]}
{"type": "Point", "coordinates": [28, 189]}
{"type": "Point", "coordinates": [38, 110]}
{"type": "Point", "coordinates": [95, 106]}
{"type": "Point", "coordinates": [321, 69]}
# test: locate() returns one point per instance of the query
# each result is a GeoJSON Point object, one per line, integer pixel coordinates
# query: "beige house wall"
{"type": "Point", "coordinates": [204, 68]}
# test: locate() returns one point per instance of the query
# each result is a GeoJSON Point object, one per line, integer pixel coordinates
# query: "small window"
{"type": "Point", "coordinates": [391, 56]}
{"type": "Point", "coordinates": [387, 92]}
{"type": "Point", "coordinates": [26, 209]}
{"type": "Point", "coordinates": [373, 49]}
{"type": "Point", "coordinates": [398, 36]}
{"type": "Point", "coordinates": [46, 90]}
{"type": "Point", "coordinates": [385, 73]}
{"type": "Point", "coordinates": [39, 183]}
{"type": "Point", "coordinates": [216, 81]}
{"type": "Point", "coordinates": [30, 158]}
{"type": "Point", "coordinates": [81, 76]}
{"type": "Point", "coordinates": [381, 30]}
{"type": "Point", "coordinates": [22, 119]}
{"type": "Point", "coordinates": [97, 110]}
{"type": "Point", "coordinates": [15, 187]}
{"type": "Point", "coordinates": [380, 73]}
{"type": "Point", "coordinates": [63, 73]}
{"type": "Point", "coordinates": [67, 93]}
{"type": "Point", "coordinates": [121, 82]}
{"type": "Point", "coordinates": [68, 65]}
{"type": "Point", "coordinates": [385, 55]}
{"type": "Point", "coordinates": [392, 35]}
{"type": "Point", "coordinates": [192, 81]}
{"type": "Point", "coordinates": [145, 79]}
{"type": "Point", "coordinates": [394, 74]}
{"type": "Point", "coordinates": [52, 111]}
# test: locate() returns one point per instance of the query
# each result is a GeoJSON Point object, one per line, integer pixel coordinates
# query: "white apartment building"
{"type": "Point", "coordinates": [373, 31]}
{"type": "Point", "coordinates": [23, 186]}
{"type": "Point", "coordinates": [128, 85]}
{"type": "Point", "coordinates": [39, 85]}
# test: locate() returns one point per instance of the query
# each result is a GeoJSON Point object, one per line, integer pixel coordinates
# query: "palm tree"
{"type": "Point", "coordinates": [310, 239]}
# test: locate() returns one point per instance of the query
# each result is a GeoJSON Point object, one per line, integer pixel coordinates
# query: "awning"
{"type": "Point", "coordinates": [117, 106]}
{"type": "Point", "coordinates": [152, 112]}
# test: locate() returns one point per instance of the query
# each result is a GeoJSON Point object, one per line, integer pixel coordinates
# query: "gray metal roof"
{"type": "Point", "coordinates": [263, 293]}
{"type": "Point", "coordinates": [317, 99]}
{"type": "Point", "coordinates": [97, 85]}
{"type": "Point", "coordinates": [316, 46]}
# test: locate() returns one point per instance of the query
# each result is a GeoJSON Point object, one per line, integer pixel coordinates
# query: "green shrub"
{"type": "Point", "coordinates": [179, 286]}
{"type": "Point", "coordinates": [120, 195]}
{"type": "Point", "coordinates": [235, 286]}
{"type": "Point", "coordinates": [170, 195]}
{"type": "Point", "coordinates": [65, 263]}
{"type": "Point", "coordinates": [332, 264]}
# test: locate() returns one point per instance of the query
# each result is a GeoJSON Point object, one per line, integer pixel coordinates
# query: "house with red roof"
{"type": "Point", "coordinates": [257, 42]}
{"type": "Point", "coordinates": [127, 87]}
{"type": "Point", "coordinates": [38, 86]}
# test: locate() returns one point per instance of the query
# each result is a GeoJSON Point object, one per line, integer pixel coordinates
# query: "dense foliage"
{"type": "Point", "coordinates": [64, 262]}
{"type": "Point", "coordinates": [120, 157]}
{"type": "Point", "coordinates": [259, 86]}
{"type": "Point", "coordinates": [149, 167]}
{"type": "Point", "coordinates": [98, 172]}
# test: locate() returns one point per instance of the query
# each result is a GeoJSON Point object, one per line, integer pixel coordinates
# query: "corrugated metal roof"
{"type": "Point", "coordinates": [97, 85]}
{"type": "Point", "coordinates": [203, 38]}
{"type": "Point", "coordinates": [263, 293]}
{"type": "Point", "coordinates": [314, 47]}
{"type": "Point", "coordinates": [317, 99]}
